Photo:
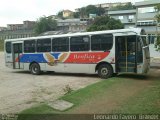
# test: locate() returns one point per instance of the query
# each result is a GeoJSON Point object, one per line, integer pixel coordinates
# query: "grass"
{"type": "Point", "coordinates": [41, 109]}
{"type": "Point", "coordinates": [145, 101]}
{"type": "Point", "coordinates": [1, 45]}
{"type": "Point", "coordinates": [82, 95]}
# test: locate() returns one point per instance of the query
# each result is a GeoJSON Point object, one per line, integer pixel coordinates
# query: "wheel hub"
{"type": "Point", "coordinates": [34, 69]}
{"type": "Point", "coordinates": [104, 71]}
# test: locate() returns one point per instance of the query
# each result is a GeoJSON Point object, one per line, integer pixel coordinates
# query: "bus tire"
{"type": "Point", "coordinates": [35, 69]}
{"type": "Point", "coordinates": [115, 74]}
{"type": "Point", "coordinates": [105, 71]}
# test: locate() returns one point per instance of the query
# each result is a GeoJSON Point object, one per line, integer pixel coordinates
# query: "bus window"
{"type": "Point", "coordinates": [101, 42]}
{"type": "Point", "coordinates": [8, 47]}
{"type": "Point", "coordinates": [60, 44]}
{"type": "Point", "coordinates": [44, 45]}
{"type": "Point", "coordinates": [17, 48]}
{"type": "Point", "coordinates": [80, 43]}
{"type": "Point", "coordinates": [29, 46]}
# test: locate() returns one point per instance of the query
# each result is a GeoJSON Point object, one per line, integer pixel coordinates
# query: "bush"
{"type": "Point", "coordinates": [67, 89]}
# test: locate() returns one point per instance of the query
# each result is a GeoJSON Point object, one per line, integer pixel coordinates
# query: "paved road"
{"type": "Point", "coordinates": [20, 90]}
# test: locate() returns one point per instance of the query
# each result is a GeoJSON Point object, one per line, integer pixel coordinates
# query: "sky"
{"type": "Point", "coordinates": [17, 11]}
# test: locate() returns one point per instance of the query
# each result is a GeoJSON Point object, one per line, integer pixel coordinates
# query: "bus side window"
{"type": "Point", "coordinates": [44, 45]}
{"type": "Point", "coordinates": [29, 46]}
{"type": "Point", "coordinates": [8, 47]}
{"type": "Point", "coordinates": [80, 43]}
{"type": "Point", "coordinates": [60, 44]}
{"type": "Point", "coordinates": [101, 42]}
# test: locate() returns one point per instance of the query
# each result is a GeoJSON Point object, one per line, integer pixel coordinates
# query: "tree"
{"type": "Point", "coordinates": [105, 23]}
{"type": "Point", "coordinates": [90, 9]}
{"type": "Point", "coordinates": [76, 14]}
{"type": "Point", "coordinates": [157, 8]}
{"type": "Point", "coordinates": [100, 11]}
{"type": "Point", "coordinates": [44, 24]}
{"type": "Point", "coordinates": [83, 13]}
{"type": "Point", "coordinates": [60, 14]}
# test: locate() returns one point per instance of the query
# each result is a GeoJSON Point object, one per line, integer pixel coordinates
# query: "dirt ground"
{"type": "Point", "coordinates": [20, 90]}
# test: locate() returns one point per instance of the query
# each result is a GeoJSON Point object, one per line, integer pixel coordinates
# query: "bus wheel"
{"type": "Point", "coordinates": [35, 69]}
{"type": "Point", "coordinates": [105, 71]}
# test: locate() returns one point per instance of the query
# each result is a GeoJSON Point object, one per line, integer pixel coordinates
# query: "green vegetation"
{"type": "Point", "coordinates": [60, 14]}
{"type": "Point", "coordinates": [105, 23]}
{"type": "Point", "coordinates": [90, 9]}
{"type": "Point", "coordinates": [146, 102]}
{"type": "Point", "coordinates": [83, 95]}
{"type": "Point", "coordinates": [41, 109]}
{"type": "Point", "coordinates": [76, 15]}
{"type": "Point", "coordinates": [128, 6]}
{"type": "Point", "coordinates": [84, 12]}
{"type": "Point", "coordinates": [67, 89]}
{"type": "Point", "coordinates": [1, 45]}
{"type": "Point", "coordinates": [44, 24]}
{"type": "Point", "coordinates": [31, 114]}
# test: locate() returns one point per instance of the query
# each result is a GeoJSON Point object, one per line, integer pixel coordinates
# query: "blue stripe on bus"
{"type": "Point", "coordinates": [39, 58]}
{"type": "Point", "coordinates": [32, 57]}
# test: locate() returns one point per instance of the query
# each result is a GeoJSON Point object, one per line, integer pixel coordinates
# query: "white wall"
{"type": "Point", "coordinates": [153, 52]}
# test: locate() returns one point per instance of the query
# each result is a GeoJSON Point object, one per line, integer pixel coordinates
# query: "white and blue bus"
{"type": "Point", "coordinates": [101, 52]}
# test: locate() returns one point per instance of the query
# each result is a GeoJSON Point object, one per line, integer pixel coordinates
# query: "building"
{"type": "Point", "coordinates": [146, 15]}
{"type": "Point", "coordinates": [18, 30]}
{"type": "Point", "coordinates": [127, 17]}
{"type": "Point", "coordinates": [14, 26]}
{"type": "Point", "coordinates": [3, 28]}
{"type": "Point", "coordinates": [27, 25]}
{"type": "Point", "coordinates": [145, 18]}
{"type": "Point", "coordinates": [72, 25]}
{"type": "Point", "coordinates": [9, 34]}
{"type": "Point", "coordinates": [67, 13]}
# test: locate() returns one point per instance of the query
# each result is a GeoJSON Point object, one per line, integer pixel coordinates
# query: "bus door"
{"type": "Point", "coordinates": [17, 52]}
{"type": "Point", "coordinates": [126, 53]}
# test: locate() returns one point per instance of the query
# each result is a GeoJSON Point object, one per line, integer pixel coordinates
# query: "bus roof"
{"type": "Point", "coordinates": [130, 30]}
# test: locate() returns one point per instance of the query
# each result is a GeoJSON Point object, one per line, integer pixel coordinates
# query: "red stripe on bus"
{"type": "Point", "coordinates": [87, 57]}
